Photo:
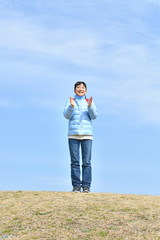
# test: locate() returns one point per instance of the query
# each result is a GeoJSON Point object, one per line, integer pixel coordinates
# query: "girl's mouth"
{"type": "Point", "coordinates": [81, 92]}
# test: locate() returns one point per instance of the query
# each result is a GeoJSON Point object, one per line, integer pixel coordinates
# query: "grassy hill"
{"type": "Point", "coordinates": [67, 215]}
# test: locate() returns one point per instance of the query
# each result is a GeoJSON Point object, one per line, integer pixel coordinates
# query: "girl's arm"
{"type": "Point", "coordinates": [68, 109]}
{"type": "Point", "coordinates": [92, 110]}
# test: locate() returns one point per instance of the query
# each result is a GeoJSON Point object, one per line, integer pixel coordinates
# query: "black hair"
{"type": "Point", "coordinates": [79, 83]}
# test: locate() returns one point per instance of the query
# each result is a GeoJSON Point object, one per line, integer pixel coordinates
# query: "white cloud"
{"type": "Point", "coordinates": [71, 45]}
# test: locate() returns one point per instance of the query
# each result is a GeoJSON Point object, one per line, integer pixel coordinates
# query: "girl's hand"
{"type": "Point", "coordinates": [72, 102]}
{"type": "Point", "coordinates": [90, 102]}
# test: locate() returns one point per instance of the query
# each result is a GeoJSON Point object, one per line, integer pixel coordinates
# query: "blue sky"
{"type": "Point", "coordinates": [113, 46]}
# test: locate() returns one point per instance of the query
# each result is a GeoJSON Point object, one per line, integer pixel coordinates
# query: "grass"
{"type": "Point", "coordinates": [74, 216]}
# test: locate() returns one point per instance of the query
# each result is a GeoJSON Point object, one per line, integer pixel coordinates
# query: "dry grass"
{"type": "Point", "coordinates": [66, 215]}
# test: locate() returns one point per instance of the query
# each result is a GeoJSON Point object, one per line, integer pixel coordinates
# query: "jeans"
{"type": "Point", "coordinates": [86, 147]}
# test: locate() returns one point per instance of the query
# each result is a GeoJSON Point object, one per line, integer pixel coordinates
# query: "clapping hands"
{"type": "Point", "coordinates": [72, 102]}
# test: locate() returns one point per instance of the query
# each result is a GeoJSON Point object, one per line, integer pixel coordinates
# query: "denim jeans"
{"type": "Point", "coordinates": [86, 147]}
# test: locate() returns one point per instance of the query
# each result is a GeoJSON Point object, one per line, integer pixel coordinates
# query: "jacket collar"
{"type": "Point", "coordinates": [79, 97]}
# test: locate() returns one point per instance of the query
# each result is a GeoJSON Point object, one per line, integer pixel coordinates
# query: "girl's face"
{"type": "Point", "coordinates": [80, 90]}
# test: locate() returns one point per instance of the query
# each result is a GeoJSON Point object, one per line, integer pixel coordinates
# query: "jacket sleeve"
{"type": "Point", "coordinates": [68, 110]}
{"type": "Point", "coordinates": [92, 111]}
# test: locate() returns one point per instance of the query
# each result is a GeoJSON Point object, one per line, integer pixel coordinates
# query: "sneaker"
{"type": "Point", "coordinates": [76, 189]}
{"type": "Point", "coordinates": [86, 189]}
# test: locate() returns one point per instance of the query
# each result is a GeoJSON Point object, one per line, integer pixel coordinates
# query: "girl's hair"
{"type": "Point", "coordinates": [79, 83]}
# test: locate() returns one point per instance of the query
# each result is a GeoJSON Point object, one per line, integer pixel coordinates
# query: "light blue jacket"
{"type": "Point", "coordinates": [80, 116]}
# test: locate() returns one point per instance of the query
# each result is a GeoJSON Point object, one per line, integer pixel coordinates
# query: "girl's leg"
{"type": "Point", "coordinates": [75, 165]}
{"type": "Point", "coordinates": [86, 146]}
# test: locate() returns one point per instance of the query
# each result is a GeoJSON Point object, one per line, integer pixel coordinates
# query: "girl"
{"type": "Point", "coordinates": [80, 111]}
